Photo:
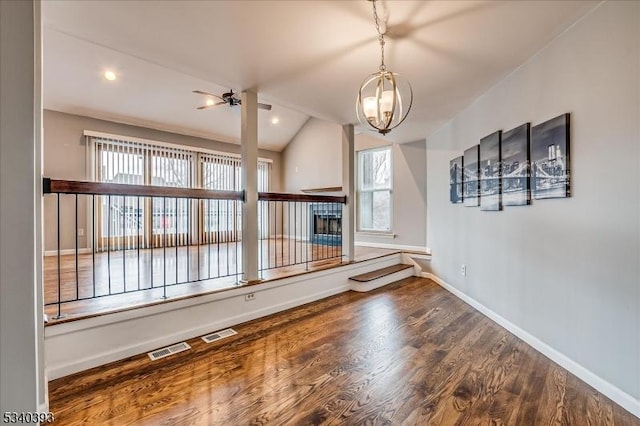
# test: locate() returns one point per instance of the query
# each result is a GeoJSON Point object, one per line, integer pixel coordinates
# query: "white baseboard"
{"type": "Point", "coordinates": [391, 246]}
{"type": "Point", "coordinates": [43, 407]}
{"type": "Point", "coordinates": [67, 251]}
{"type": "Point", "coordinates": [626, 401]}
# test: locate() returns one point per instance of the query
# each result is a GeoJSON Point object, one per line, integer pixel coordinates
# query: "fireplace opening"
{"type": "Point", "coordinates": [326, 224]}
{"type": "Point", "coordinates": [329, 225]}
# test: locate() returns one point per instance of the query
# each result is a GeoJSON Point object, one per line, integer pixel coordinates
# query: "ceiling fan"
{"type": "Point", "coordinates": [228, 98]}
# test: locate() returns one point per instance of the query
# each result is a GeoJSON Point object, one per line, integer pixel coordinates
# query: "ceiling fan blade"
{"type": "Point", "coordinates": [210, 106]}
{"type": "Point", "coordinates": [200, 92]}
{"type": "Point", "coordinates": [261, 106]}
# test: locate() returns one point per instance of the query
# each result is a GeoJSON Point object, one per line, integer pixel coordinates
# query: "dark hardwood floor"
{"type": "Point", "coordinates": [407, 354]}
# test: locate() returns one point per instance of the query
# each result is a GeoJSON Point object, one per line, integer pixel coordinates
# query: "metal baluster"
{"type": "Point", "coordinates": [227, 234]}
{"type": "Point", "coordinates": [109, 241]}
{"type": "Point", "coordinates": [138, 217]}
{"type": "Point", "coordinates": [198, 232]}
{"type": "Point", "coordinates": [267, 234]}
{"type": "Point", "coordinates": [59, 260]}
{"type": "Point", "coordinates": [124, 246]}
{"type": "Point", "coordinates": [176, 239]}
{"type": "Point", "coordinates": [325, 252]}
{"type": "Point", "coordinates": [93, 242]}
{"type": "Point", "coordinates": [164, 247]}
{"type": "Point", "coordinates": [235, 204]}
{"type": "Point", "coordinates": [305, 234]}
{"type": "Point", "coordinates": [209, 238]}
{"type": "Point", "coordinates": [76, 248]}
{"type": "Point", "coordinates": [272, 203]}
{"type": "Point", "coordinates": [289, 232]}
{"type": "Point", "coordinates": [189, 201]}
{"type": "Point", "coordinates": [334, 232]}
{"type": "Point", "coordinates": [152, 240]}
{"type": "Point", "coordinates": [217, 237]}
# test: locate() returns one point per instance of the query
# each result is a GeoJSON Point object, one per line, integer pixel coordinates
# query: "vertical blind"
{"type": "Point", "coordinates": [126, 221]}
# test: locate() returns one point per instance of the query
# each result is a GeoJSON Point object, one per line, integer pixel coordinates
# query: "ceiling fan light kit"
{"type": "Point", "coordinates": [380, 99]}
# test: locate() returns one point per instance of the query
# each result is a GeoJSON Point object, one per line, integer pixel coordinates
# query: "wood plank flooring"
{"type": "Point", "coordinates": [407, 354]}
{"type": "Point", "coordinates": [116, 280]}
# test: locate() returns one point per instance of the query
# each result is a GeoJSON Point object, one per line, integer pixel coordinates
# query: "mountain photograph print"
{"type": "Point", "coordinates": [550, 174]}
{"type": "Point", "coordinates": [515, 166]}
{"type": "Point", "coordinates": [490, 172]}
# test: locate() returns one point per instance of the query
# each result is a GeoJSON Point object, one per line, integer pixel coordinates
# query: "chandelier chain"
{"type": "Point", "coordinates": [383, 67]}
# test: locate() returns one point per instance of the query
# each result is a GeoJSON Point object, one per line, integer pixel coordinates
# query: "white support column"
{"type": "Point", "coordinates": [348, 188]}
{"type": "Point", "coordinates": [249, 142]}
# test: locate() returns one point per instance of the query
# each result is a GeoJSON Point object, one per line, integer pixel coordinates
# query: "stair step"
{"type": "Point", "coordinates": [379, 273]}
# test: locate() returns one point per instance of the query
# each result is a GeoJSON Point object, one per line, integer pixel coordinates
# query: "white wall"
{"type": "Point", "coordinates": [313, 160]}
{"type": "Point", "coordinates": [22, 387]}
{"type": "Point", "coordinates": [564, 270]}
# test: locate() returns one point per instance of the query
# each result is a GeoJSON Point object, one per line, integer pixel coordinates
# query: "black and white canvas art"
{"type": "Point", "coordinates": [550, 173]}
{"type": "Point", "coordinates": [455, 180]}
{"type": "Point", "coordinates": [490, 172]}
{"type": "Point", "coordinates": [515, 166]}
{"type": "Point", "coordinates": [470, 180]}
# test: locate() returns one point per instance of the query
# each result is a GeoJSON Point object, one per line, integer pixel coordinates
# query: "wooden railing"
{"type": "Point", "coordinates": [141, 237]}
{"type": "Point", "coordinates": [56, 186]}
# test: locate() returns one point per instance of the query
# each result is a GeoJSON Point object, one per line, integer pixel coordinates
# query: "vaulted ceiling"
{"type": "Point", "coordinates": [307, 58]}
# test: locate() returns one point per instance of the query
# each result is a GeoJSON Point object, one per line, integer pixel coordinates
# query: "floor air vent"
{"type": "Point", "coordinates": [209, 338]}
{"type": "Point", "coordinates": [169, 350]}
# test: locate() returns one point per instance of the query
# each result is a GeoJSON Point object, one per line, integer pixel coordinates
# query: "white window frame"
{"type": "Point", "coordinates": [196, 153]}
{"type": "Point", "coordinates": [359, 190]}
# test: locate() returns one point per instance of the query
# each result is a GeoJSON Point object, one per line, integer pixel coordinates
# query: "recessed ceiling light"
{"type": "Point", "coordinates": [110, 75]}
{"type": "Point", "coordinates": [275, 120]}
{"type": "Point", "coordinates": [209, 102]}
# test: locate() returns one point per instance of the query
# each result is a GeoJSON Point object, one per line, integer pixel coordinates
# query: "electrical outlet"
{"type": "Point", "coordinates": [463, 270]}
{"type": "Point", "coordinates": [80, 232]}
{"type": "Point", "coordinates": [249, 296]}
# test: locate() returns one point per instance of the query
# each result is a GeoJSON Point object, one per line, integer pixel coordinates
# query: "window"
{"type": "Point", "coordinates": [374, 190]}
{"type": "Point", "coordinates": [125, 219]}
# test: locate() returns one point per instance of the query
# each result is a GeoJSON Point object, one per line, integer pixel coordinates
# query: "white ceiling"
{"type": "Point", "coordinates": [307, 58]}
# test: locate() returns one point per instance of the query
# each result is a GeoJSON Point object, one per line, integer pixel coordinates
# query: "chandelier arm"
{"type": "Point", "coordinates": [406, 114]}
{"type": "Point", "coordinates": [394, 89]}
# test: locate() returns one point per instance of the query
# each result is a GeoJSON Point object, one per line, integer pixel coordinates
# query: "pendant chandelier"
{"type": "Point", "coordinates": [381, 105]}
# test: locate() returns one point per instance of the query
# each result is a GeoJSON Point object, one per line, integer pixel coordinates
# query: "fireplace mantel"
{"type": "Point", "coordinates": [327, 189]}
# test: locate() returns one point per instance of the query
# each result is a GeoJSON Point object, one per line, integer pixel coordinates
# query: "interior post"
{"type": "Point", "coordinates": [249, 173]}
{"type": "Point", "coordinates": [348, 188]}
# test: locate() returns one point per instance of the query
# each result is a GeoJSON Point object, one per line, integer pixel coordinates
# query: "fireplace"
{"type": "Point", "coordinates": [325, 222]}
